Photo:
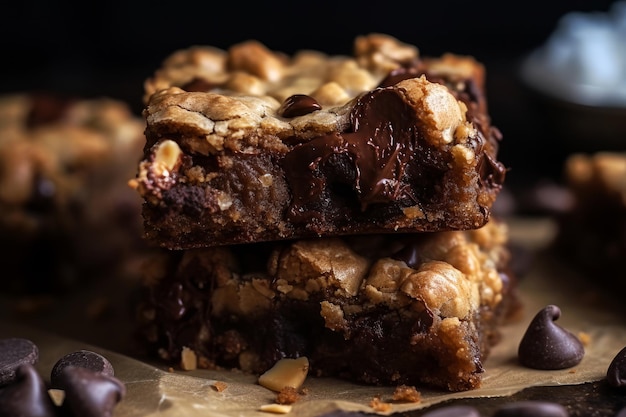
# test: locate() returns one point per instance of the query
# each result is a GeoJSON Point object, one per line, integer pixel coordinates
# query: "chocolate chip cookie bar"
{"type": "Point", "coordinates": [66, 211]}
{"type": "Point", "coordinates": [418, 309]}
{"type": "Point", "coordinates": [250, 145]}
{"type": "Point", "coordinates": [593, 231]}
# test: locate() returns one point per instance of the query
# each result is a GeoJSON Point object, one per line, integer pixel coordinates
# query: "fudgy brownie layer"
{"type": "Point", "coordinates": [248, 145]}
{"type": "Point", "coordinates": [419, 309]}
{"type": "Point", "coordinates": [66, 211]}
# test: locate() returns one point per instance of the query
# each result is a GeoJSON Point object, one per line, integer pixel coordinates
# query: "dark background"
{"type": "Point", "coordinates": [110, 48]}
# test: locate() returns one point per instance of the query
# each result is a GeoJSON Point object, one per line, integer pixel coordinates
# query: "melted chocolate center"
{"type": "Point", "coordinates": [371, 159]}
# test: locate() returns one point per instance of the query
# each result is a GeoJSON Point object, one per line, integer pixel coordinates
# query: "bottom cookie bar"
{"type": "Point", "coordinates": [420, 309]}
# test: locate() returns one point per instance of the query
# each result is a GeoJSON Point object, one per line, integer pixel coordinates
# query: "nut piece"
{"type": "Point", "coordinates": [437, 108]}
{"type": "Point", "coordinates": [323, 264]}
{"type": "Point", "coordinates": [276, 408]}
{"type": "Point", "coordinates": [286, 373]}
{"type": "Point", "coordinates": [188, 359]}
{"type": "Point", "coordinates": [382, 53]}
{"type": "Point", "coordinates": [254, 58]}
{"type": "Point", "coordinates": [167, 154]}
{"type": "Point", "coordinates": [443, 288]}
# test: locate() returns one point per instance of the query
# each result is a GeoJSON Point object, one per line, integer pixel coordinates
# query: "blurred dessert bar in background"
{"type": "Point", "coordinates": [66, 211]}
{"type": "Point", "coordinates": [592, 233]}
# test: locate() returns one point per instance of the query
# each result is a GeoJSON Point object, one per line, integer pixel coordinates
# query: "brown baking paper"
{"type": "Point", "coordinates": [152, 390]}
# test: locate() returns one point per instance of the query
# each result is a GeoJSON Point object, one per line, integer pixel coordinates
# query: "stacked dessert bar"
{"type": "Point", "coordinates": [333, 207]}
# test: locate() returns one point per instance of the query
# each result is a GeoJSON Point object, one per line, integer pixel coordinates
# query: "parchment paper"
{"type": "Point", "coordinates": [587, 310]}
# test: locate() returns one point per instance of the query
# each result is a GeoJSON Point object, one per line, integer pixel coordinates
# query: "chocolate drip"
{"type": "Point", "coordinates": [491, 171]}
{"type": "Point", "coordinates": [371, 159]}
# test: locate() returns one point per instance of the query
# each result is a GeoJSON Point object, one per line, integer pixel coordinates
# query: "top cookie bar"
{"type": "Point", "coordinates": [251, 145]}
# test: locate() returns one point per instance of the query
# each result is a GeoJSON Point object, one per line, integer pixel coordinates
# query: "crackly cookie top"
{"type": "Point", "coordinates": [250, 68]}
{"type": "Point", "coordinates": [250, 96]}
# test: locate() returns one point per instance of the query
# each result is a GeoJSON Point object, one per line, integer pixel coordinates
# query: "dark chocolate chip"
{"type": "Point", "coordinates": [13, 353]}
{"type": "Point", "coordinates": [27, 396]}
{"type": "Point", "coordinates": [453, 411]}
{"type": "Point", "coordinates": [531, 409]}
{"type": "Point", "coordinates": [298, 105]}
{"type": "Point", "coordinates": [198, 84]}
{"type": "Point", "coordinates": [47, 108]}
{"type": "Point", "coordinates": [411, 255]}
{"type": "Point", "coordinates": [81, 359]}
{"type": "Point", "coordinates": [88, 393]}
{"type": "Point", "coordinates": [546, 345]}
{"type": "Point", "coordinates": [616, 374]}
{"type": "Point", "coordinates": [400, 74]}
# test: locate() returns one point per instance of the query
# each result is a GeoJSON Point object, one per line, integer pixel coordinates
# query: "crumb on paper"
{"type": "Point", "coordinates": [287, 395]}
{"type": "Point", "coordinates": [572, 371]}
{"type": "Point", "coordinates": [188, 359]}
{"type": "Point", "coordinates": [585, 338]}
{"type": "Point", "coordinates": [276, 408]}
{"type": "Point", "coordinates": [219, 386]}
{"type": "Point", "coordinates": [406, 393]}
{"type": "Point", "coordinates": [378, 405]}
{"type": "Point", "coordinates": [170, 370]}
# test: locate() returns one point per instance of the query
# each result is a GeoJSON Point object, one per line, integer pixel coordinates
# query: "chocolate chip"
{"type": "Point", "coordinates": [453, 411]}
{"type": "Point", "coordinates": [13, 353]}
{"type": "Point", "coordinates": [298, 105]}
{"type": "Point", "coordinates": [400, 74]}
{"type": "Point", "coordinates": [531, 409]}
{"type": "Point", "coordinates": [198, 84]}
{"type": "Point", "coordinates": [48, 108]}
{"type": "Point", "coordinates": [26, 396]}
{"type": "Point", "coordinates": [81, 359]}
{"type": "Point", "coordinates": [546, 345]}
{"type": "Point", "coordinates": [411, 255]}
{"type": "Point", "coordinates": [616, 374]}
{"type": "Point", "coordinates": [89, 393]}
